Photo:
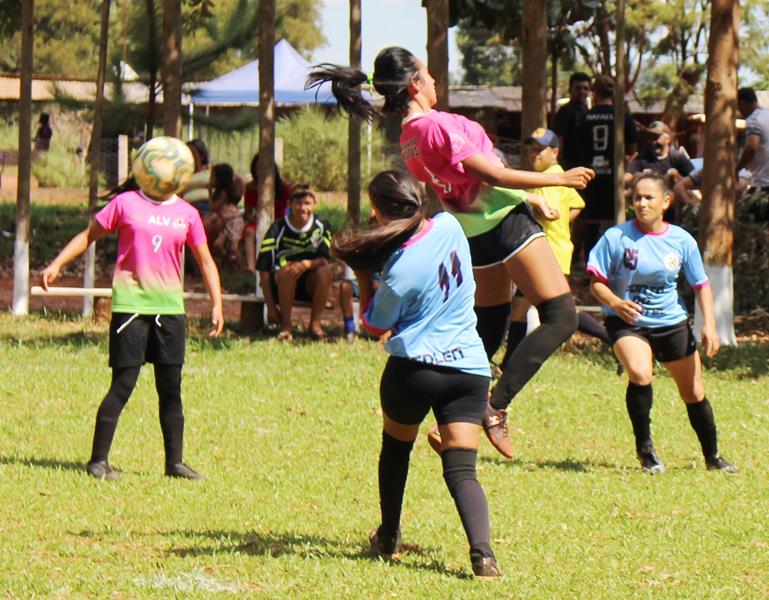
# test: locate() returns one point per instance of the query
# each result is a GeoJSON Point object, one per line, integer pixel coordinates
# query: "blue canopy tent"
{"type": "Point", "coordinates": [241, 86]}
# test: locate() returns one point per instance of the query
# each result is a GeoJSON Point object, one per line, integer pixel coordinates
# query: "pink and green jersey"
{"type": "Point", "coordinates": [151, 239]}
{"type": "Point", "coordinates": [433, 146]}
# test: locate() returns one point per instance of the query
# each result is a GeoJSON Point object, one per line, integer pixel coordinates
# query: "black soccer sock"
{"type": "Point", "coordinates": [459, 475]}
{"type": "Point", "coordinates": [515, 334]}
{"type": "Point", "coordinates": [704, 425]}
{"type": "Point", "coordinates": [638, 399]}
{"type": "Point", "coordinates": [558, 320]}
{"type": "Point", "coordinates": [393, 472]}
{"type": "Point", "coordinates": [123, 383]}
{"type": "Point", "coordinates": [491, 326]}
{"type": "Point", "coordinates": [588, 325]}
{"type": "Point", "coordinates": [168, 383]}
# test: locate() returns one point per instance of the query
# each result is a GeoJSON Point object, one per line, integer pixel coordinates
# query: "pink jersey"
{"type": "Point", "coordinates": [434, 144]}
{"type": "Point", "coordinates": [151, 238]}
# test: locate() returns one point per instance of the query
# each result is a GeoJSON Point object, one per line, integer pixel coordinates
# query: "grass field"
{"type": "Point", "coordinates": [288, 437]}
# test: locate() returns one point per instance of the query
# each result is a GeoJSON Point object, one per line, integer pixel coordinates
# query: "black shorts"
{"type": "Point", "coordinates": [509, 237]}
{"type": "Point", "coordinates": [667, 343]}
{"type": "Point", "coordinates": [302, 292]}
{"type": "Point", "coordinates": [134, 340]}
{"type": "Point", "coordinates": [409, 389]}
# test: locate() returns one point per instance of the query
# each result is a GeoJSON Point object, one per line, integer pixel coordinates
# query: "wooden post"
{"type": "Point", "coordinates": [438, 48]}
{"type": "Point", "coordinates": [619, 117]}
{"type": "Point", "coordinates": [266, 166]}
{"type": "Point", "coordinates": [718, 186]}
{"type": "Point", "coordinates": [534, 57]}
{"type": "Point", "coordinates": [172, 67]}
{"type": "Point", "coordinates": [21, 242]}
{"type": "Point", "coordinates": [94, 153]}
{"type": "Point", "coordinates": [354, 124]}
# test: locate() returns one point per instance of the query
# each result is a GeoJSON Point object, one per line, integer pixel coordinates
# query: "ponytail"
{"type": "Point", "coordinates": [397, 197]}
{"type": "Point", "coordinates": [394, 70]}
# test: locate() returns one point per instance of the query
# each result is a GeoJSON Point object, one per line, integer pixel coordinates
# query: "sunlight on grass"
{"type": "Point", "coordinates": [288, 438]}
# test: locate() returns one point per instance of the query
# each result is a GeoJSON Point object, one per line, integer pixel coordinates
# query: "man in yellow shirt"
{"type": "Point", "coordinates": [542, 146]}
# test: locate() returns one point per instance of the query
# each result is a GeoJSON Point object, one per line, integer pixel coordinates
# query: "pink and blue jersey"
{"type": "Point", "coordinates": [151, 239]}
{"type": "Point", "coordinates": [433, 146]}
{"type": "Point", "coordinates": [644, 268]}
{"type": "Point", "coordinates": [426, 296]}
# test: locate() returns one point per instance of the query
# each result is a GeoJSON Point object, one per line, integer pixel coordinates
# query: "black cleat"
{"type": "Point", "coordinates": [182, 471]}
{"type": "Point", "coordinates": [719, 464]}
{"type": "Point", "coordinates": [384, 546]}
{"type": "Point", "coordinates": [486, 568]}
{"type": "Point", "coordinates": [649, 461]}
{"type": "Point", "coordinates": [101, 470]}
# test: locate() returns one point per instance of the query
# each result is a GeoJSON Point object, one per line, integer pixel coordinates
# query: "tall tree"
{"type": "Point", "coordinates": [354, 123]}
{"type": "Point", "coordinates": [534, 94]}
{"type": "Point", "coordinates": [266, 164]}
{"type": "Point", "coordinates": [172, 67]}
{"type": "Point", "coordinates": [21, 242]}
{"type": "Point", "coordinates": [619, 116]}
{"type": "Point", "coordinates": [94, 152]}
{"type": "Point", "coordinates": [717, 210]}
{"type": "Point", "coordinates": [438, 48]}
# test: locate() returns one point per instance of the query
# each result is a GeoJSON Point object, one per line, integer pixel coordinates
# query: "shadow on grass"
{"type": "Point", "coordinates": [566, 465]}
{"type": "Point", "coordinates": [276, 544]}
{"type": "Point", "coordinates": [43, 463]}
{"type": "Point", "coordinates": [752, 360]}
{"type": "Point", "coordinates": [75, 339]}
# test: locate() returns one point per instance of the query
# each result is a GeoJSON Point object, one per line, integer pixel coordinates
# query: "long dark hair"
{"type": "Point", "coordinates": [224, 181]}
{"type": "Point", "coordinates": [397, 196]}
{"type": "Point", "coordinates": [278, 179]}
{"type": "Point", "coordinates": [394, 70]}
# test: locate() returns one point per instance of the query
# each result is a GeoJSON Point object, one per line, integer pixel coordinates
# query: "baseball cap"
{"type": "Point", "coordinates": [658, 128]}
{"type": "Point", "coordinates": [545, 137]}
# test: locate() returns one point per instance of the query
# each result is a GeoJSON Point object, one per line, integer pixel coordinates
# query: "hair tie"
{"type": "Point", "coordinates": [370, 79]}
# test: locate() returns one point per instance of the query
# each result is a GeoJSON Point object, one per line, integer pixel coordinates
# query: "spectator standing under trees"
{"type": "Point", "coordinates": [568, 119]}
{"type": "Point", "coordinates": [196, 190]}
{"type": "Point", "coordinates": [224, 223]}
{"type": "Point", "coordinates": [293, 264]}
{"type": "Point", "coordinates": [597, 134]}
{"type": "Point", "coordinates": [755, 154]}
{"type": "Point", "coordinates": [44, 133]}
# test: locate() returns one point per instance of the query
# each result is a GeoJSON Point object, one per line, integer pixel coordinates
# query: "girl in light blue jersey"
{"type": "Point", "coordinates": [437, 361]}
{"type": "Point", "coordinates": [635, 268]}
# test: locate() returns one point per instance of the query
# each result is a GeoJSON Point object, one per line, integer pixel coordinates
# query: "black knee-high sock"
{"type": "Point", "coordinates": [638, 399]}
{"type": "Point", "coordinates": [558, 320]}
{"type": "Point", "coordinates": [515, 334]}
{"type": "Point", "coordinates": [459, 475]}
{"type": "Point", "coordinates": [704, 425]}
{"type": "Point", "coordinates": [393, 472]}
{"type": "Point", "coordinates": [168, 383]}
{"type": "Point", "coordinates": [588, 325]}
{"type": "Point", "coordinates": [491, 326]}
{"type": "Point", "coordinates": [123, 383]}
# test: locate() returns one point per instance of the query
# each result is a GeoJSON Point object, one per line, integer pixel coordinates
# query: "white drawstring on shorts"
{"type": "Point", "coordinates": [127, 323]}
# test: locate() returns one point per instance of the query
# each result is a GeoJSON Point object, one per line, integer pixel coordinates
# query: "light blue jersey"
{"type": "Point", "coordinates": [426, 298]}
{"type": "Point", "coordinates": [644, 267]}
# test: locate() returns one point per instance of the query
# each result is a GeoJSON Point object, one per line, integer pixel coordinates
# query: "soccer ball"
{"type": "Point", "coordinates": [163, 166]}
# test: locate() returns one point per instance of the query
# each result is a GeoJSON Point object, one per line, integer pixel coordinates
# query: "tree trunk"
{"type": "Point", "coordinates": [172, 67]}
{"type": "Point", "coordinates": [354, 124]}
{"type": "Point", "coordinates": [438, 48]}
{"type": "Point", "coordinates": [554, 52]}
{"type": "Point", "coordinates": [266, 166]}
{"type": "Point", "coordinates": [718, 186]}
{"type": "Point", "coordinates": [21, 242]}
{"type": "Point", "coordinates": [94, 153]}
{"type": "Point", "coordinates": [151, 105]}
{"type": "Point", "coordinates": [534, 57]}
{"type": "Point", "coordinates": [619, 117]}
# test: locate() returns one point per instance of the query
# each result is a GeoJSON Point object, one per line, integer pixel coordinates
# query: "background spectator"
{"type": "Point", "coordinates": [755, 154]}
{"type": "Point", "coordinates": [224, 223]}
{"type": "Point", "coordinates": [196, 190]}
{"type": "Point", "coordinates": [44, 133]}
{"type": "Point", "coordinates": [568, 119]}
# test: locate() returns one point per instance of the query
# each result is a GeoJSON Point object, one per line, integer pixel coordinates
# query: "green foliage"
{"type": "Point", "coordinates": [288, 436]}
{"type": "Point", "coordinates": [315, 149]}
{"type": "Point", "coordinates": [60, 170]}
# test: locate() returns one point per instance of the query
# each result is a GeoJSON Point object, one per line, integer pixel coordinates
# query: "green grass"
{"type": "Point", "coordinates": [288, 437]}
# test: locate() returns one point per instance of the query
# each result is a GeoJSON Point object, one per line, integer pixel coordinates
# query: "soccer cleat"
{"type": "Point", "coordinates": [495, 426]}
{"type": "Point", "coordinates": [182, 471]}
{"type": "Point", "coordinates": [719, 464]}
{"type": "Point", "coordinates": [649, 461]}
{"type": "Point", "coordinates": [101, 470]}
{"type": "Point", "coordinates": [486, 568]}
{"type": "Point", "coordinates": [434, 438]}
{"type": "Point", "coordinates": [386, 547]}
